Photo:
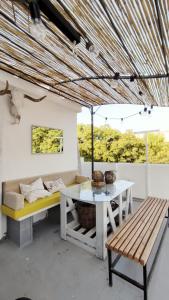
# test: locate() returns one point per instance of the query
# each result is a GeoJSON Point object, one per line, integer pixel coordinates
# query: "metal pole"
{"type": "Point", "coordinates": [145, 281]}
{"type": "Point", "coordinates": [124, 77]}
{"type": "Point", "coordinates": [92, 140]}
{"type": "Point", "coordinates": [146, 171]}
{"type": "Point", "coordinates": [109, 267]}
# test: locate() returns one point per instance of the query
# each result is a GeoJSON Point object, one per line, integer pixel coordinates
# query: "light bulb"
{"type": "Point", "coordinates": [77, 47]}
{"type": "Point", "coordinates": [93, 51]}
{"type": "Point", "coordinates": [114, 84]}
{"type": "Point", "coordinates": [38, 30]}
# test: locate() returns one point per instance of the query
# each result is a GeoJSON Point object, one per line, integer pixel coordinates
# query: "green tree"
{"type": "Point", "coordinates": [113, 146]}
{"type": "Point", "coordinates": [129, 148]}
{"type": "Point", "coordinates": [158, 148]}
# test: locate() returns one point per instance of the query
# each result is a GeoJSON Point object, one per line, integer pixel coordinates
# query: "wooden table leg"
{"type": "Point", "coordinates": [101, 229]}
{"type": "Point", "coordinates": [63, 215]}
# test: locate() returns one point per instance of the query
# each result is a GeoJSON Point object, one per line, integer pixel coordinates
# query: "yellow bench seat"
{"type": "Point", "coordinates": [31, 208]}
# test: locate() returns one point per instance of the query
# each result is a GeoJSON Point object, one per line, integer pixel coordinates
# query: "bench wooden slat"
{"type": "Point", "coordinates": [135, 239]}
{"type": "Point", "coordinates": [143, 235]}
{"type": "Point", "coordinates": [147, 235]}
{"type": "Point", "coordinates": [140, 221]}
{"type": "Point", "coordinates": [140, 228]}
{"type": "Point", "coordinates": [149, 246]}
{"type": "Point", "coordinates": [128, 227]}
{"type": "Point", "coordinates": [126, 224]}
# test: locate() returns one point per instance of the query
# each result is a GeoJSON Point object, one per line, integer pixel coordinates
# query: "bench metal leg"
{"type": "Point", "coordinates": [145, 281]}
{"type": "Point", "coordinates": [146, 277]}
{"type": "Point", "coordinates": [109, 253]}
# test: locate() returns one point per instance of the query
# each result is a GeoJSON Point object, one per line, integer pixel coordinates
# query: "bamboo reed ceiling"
{"type": "Point", "coordinates": [130, 37]}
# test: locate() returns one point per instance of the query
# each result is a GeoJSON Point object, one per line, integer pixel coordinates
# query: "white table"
{"type": "Point", "coordinates": [94, 239]}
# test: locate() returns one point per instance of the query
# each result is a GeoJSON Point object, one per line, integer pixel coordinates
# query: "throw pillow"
{"type": "Point", "coordinates": [55, 185]}
{"type": "Point", "coordinates": [14, 200]}
{"type": "Point", "coordinates": [33, 191]}
{"type": "Point", "coordinates": [32, 196]}
{"type": "Point", "coordinates": [81, 179]}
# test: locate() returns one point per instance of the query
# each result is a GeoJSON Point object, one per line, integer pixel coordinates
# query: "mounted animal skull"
{"type": "Point", "coordinates": [15, 101]}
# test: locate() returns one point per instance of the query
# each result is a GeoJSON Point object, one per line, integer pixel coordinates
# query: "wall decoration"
{"type": "Point", "coordinates": [46, 140]}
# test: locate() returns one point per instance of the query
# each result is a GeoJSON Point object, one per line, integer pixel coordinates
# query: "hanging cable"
{"type": "Point", "coordinates": [145, 110]}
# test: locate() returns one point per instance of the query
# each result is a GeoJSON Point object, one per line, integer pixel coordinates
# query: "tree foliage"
{"type": "Point", "coordinates": [113, 146]}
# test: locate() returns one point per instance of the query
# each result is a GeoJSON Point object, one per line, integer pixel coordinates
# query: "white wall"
{"type": "Point", "coordinates": [149, 179]}
{"type": "Point", "coordinates": [86, 167]}
{"type": "Point", "coordinates": [137, 174]}
{"type": "Point", "coordinates": [16, 159]}
{"type": "Point", "coordinates": [159, 180]}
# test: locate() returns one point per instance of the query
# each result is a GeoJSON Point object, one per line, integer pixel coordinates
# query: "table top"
{"type": "Point", "coordinates": [87, 193]}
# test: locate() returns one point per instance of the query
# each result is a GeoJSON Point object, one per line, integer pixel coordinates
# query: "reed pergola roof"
{"type": "Point", "coordinates": [130, 36]}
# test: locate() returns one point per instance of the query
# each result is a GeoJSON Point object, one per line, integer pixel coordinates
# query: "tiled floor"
{"type": "Point", "coordinates": [52, 269]}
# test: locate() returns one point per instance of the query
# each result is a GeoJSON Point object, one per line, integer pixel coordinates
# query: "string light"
{"type": "Point", "coordinates": [146, 111]}
{"type": "Point", "coordinates": [115, 83]}
{"type": "Point", "coordinates": [83, 46]}
{"type": "Point", "coordinates": [93, 51]}
{"type": "Point", "coordinates": [132, 78]}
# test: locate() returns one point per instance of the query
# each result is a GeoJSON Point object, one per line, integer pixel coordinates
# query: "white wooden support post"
{"type": "Point", "coordinates": [101, 229]}
{"type": "Point", "coordinates": [111, 215]}
{"type": "Point", "coordinates": [63, 215]}
{"type": "Point", "coordinates": [72, 209]}
{"type": "Point", "coordinates": [127, 208]}
{"type": "Point", "coordinates": [120, 208]}
{"type": "Point", "coordinates": [131, 201]}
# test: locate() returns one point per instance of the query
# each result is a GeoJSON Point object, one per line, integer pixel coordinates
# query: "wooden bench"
{"type": "Point", "coordinates": [136, 237]}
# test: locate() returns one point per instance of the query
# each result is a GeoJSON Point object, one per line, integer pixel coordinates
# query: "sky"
{"type": "Point", "coordinates": [158, 120]}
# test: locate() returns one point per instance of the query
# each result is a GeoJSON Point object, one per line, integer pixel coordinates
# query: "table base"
{"type": "Point", "coordinates": [93, 240]}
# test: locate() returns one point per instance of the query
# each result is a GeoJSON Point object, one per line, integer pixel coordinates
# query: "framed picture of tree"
{"type": "Point", "coordinates": [46, 140]}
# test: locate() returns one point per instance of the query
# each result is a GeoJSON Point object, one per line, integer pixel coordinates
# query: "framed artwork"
{"type": "Point", "coordinates": [46, 140]}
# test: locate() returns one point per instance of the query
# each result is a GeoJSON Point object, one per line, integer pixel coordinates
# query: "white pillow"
{"type": "Point", "coordinates": [32, 196]}
{"type": "Point", "coordinates": [55, 185]}
{"type": "Point", "coordinates": [33, 191]}
{"type": "Point", "coordinates": [14, 200]}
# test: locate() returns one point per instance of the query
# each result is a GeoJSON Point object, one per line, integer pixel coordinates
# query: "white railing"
{"type": "Point", "coordinates": [150, 179]}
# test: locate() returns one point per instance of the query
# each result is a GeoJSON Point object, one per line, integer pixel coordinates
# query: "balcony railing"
{"type": "Point", "coordinates": [150, 179]}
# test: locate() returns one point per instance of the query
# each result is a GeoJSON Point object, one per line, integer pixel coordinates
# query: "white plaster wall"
{"type": "Point", "coordinates": [137, 174]}
{"type": "Point", "coordinates": [159, 180]}
{"type": "Point", "coordinates": [132, 172]}
{"type": "Point", "coordinates": [16, 159]}
{"type": "Point", "coordinates": [149, 179]}
{"type": "Point", "coordinates": [102, 166]}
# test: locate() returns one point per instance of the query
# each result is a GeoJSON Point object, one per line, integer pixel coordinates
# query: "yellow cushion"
{"type": "Point", "coordinates": [30, 208]}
